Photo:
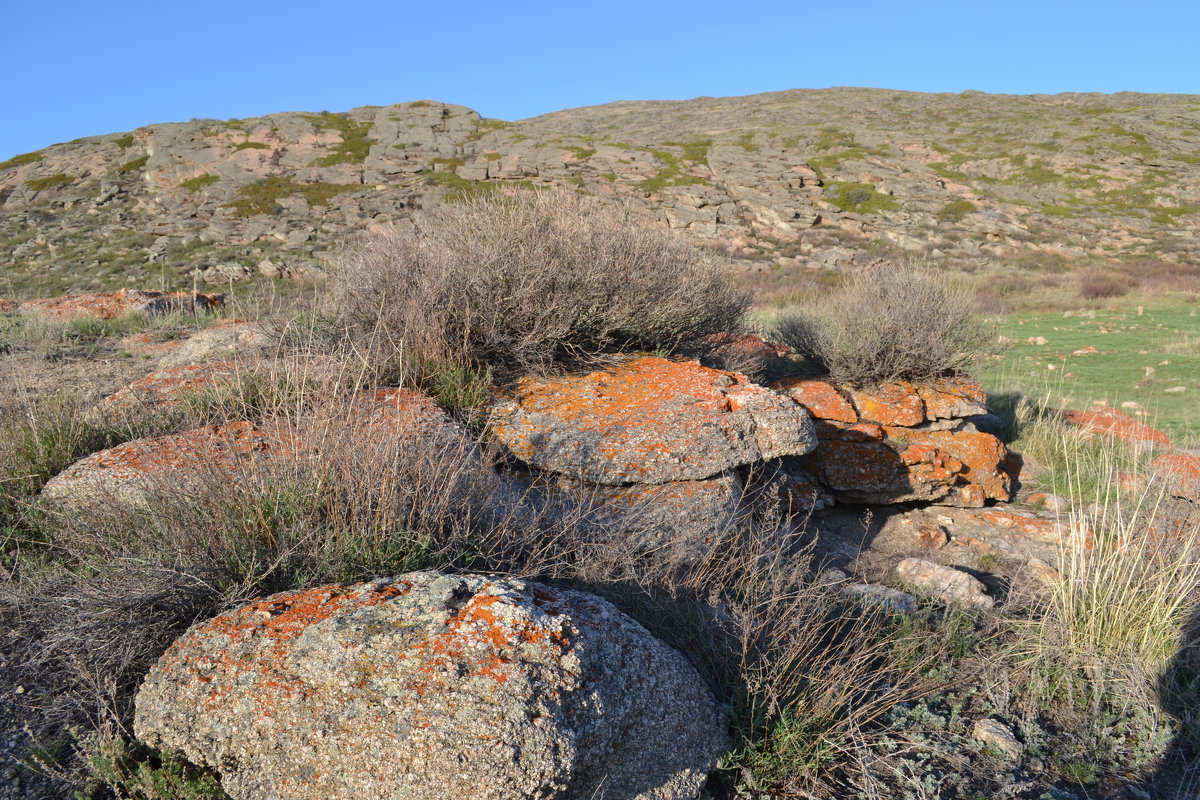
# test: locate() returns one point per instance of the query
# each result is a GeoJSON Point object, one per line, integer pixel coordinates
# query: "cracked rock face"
{"type": "Point", "coordinates": [433, 686]}
{"type": "Point", "coordinates": [649, 421]}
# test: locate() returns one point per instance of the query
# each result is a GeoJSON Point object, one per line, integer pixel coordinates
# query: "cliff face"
{"type": "Point", "coordinates": [790, 180]}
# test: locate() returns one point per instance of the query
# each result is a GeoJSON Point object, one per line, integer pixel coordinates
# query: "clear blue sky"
{"type": "Point", "coordinates": [75, 69]}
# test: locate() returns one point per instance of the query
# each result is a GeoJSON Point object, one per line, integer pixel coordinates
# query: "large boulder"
{"type": "Point", "coordinates": [648, 421]}
{"type": "Point", "coordinates": [433, 686]}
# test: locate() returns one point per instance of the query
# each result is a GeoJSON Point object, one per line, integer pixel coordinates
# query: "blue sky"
{"type": "Point", "coordinates": [77, 69]}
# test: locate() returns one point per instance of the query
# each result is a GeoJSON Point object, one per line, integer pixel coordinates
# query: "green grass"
{"type": "Point", "coordinates": [696, 151]}
{"type": "Point", "coordinates": [51, 182]}
{"type": "Point", "coordinates": [250, 146]}
{"type": "Point", "coordinates": [263, 197]}
{"type": "Point", "coordinates": [132, 166]}
{"type": "Point", "coordinates": [956, 210]}
{"type": "Point", "coordinates": [125, 142]}
{"type": "Point", "coordinates": [355, 144]}
{"type": "Point", "coordinates": [672, 173]}
{"type": "Point", "coordinates": [199, 182]}
{"type": "Point", "coordinates": [581, 153]}
{"type": "Point", "coordinates": [860, 198]}
{"type": "Point", "coordinates": [21, 160]}
{"type": "Point", "coordinates": [1165, 339]}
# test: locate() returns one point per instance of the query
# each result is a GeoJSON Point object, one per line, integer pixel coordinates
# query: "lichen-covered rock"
{"type": "Point", "coordinates": [1180, 473]}
{"type": "Point", "coordinates": [1107, 421]}
{"type": "Point", "coordinates": [649, 420]}
{"type": "Point", "coordinates": [130, 473]}
{"type": "Point", "coordinates": [367, 428]}
{"type": "Point", "coordinates": [821, 399]}
{"type": "Point", "coordinates": [867, 463]}
{"type": "Point", "coordinates": [890, 404]}
{"type": "Point", "coordinates": [165, 389]}
{"type": "Point", "coordinates": [433, 686]}
{"type": "Point", "coordinates": [109, 305]}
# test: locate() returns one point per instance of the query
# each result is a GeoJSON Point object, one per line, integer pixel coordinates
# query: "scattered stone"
{"type": "Point", "coordinates": [1175, 390]}
{"type": "Point", "coordinates": [944, 583]}
{"type": "Point", "coordinates": [648, 421]}
{"type": "Point", "coordinates": [431, 686]}
{"type": "Point", "coordinates": [1049, 501]}
{"type": "Point", "coordinates": [889, 598]}
{"type": "Point", "coordinates": [998, 737]}
{"type": "Point", "coordinates": [1038, 340]}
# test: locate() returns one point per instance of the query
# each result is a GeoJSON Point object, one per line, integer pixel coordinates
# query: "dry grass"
{"type": "Point", "coordinates": [527, 280]}
{"type": "Point", "coordinates": [908, 322]}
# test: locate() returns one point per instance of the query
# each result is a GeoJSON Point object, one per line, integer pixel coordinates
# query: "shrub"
{"type": "Point", "coordinates": [884, 324]}
{"type": "Point", "coordinates": [1099, 285]}
{"type": "Point", "coordinates": [526, 280]}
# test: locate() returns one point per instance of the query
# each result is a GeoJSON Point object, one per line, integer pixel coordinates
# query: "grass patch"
{"type": "Point", "coordinates": [956, 210]}
{"type": "Point", "coordinates": [250, 146]}
{"type": "Point", "coordinates": [199, 182]}
{"type": "Point", "coordinates": [859, 198]}
{"type": "Point", "coordinates": [56, 181]}
{"type": "Point", "coordinates": [132, 166]}
{"type": "Point", "coordinates": [263, 197]}
{"type": "Point", "coordinates": [124, 142]}
{"type": "Point", "coordinates": [671, 175]}
{"type": "Point", "coordinates": [21, 160]}
{"type": "Point", "coordinates": [355, 144]}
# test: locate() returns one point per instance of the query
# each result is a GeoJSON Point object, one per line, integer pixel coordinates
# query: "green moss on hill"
{"type": "Point", "coordinates": [263, 197]}
{"type": "Point", "coordinates": [51, 182]}
{"type": "Point", "coordinates": [355, 144]}
{"type": "Point", "coordinates": [21, 160]}
{"type": "Point", "coordinates": [859, 198]}
{"type": "Point", "coordinates": [199, 182]}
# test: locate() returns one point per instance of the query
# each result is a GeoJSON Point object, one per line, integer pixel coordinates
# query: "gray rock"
{"type": "Point", "coordinates": [998, 737]}
{"type": "Point", "coordinates": [889, 598]}
{"type": "Point", "coordinates": [944, 583]}
{"type": "Point", "coordinates": [433, 686]}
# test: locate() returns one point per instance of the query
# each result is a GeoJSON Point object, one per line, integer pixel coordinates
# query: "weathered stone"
{"type": "Point", "coordinates": [869, 463]}
{"type": "Point", "coordinates": [235, 339]}
{"type": "Point", "coordinates": [1108, 421]}
{"type": "Point", "coordinates": [890, 404]}
{"type": "Point", "coordinates": [165, 390]}
{"type": "Point", "coordinates": [944, 583]}
{"type": "Point", "coordinates": [996, 736]}
{"type": "Point", "coordinates": [1180, 473]}
{"type": "Point", "coordinates": [953, 398]}
{"type": "Point", "coordinates": [648, 420]}
{"type": "Point", "coordinates": [431, 686]}
{"type": "Point", "coordinates": [821, 399]}
{"type": "Point", "coordinates": [872, 594]}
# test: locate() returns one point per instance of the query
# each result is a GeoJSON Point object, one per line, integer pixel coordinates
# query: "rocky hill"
{"type": "Point", "coordinates": [788, 181]}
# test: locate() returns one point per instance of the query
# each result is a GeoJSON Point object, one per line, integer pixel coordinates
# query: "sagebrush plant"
{"type": "Point", "coordinates": [521, 281]}
{"type": "Point", "coordinates": [887, 323]}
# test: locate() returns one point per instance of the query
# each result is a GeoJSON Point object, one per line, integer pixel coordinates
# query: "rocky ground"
{"type": "Point", "coordinates": [783, 183]}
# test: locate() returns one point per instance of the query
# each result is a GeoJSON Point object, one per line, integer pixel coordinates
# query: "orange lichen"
{"type": "Point", "coordinates": [890, 404]}
{"type": "Point", "coordinates": [1107, 421]}
{"type": "Point", "coordinates": [109, 305]}
{"type": "Point", "coordinates": [821, 399]}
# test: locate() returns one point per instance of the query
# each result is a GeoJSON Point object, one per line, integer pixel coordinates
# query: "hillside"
{"type": "Point", "coordinates": [789, 181]}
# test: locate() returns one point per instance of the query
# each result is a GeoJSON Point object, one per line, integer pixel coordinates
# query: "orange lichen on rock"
{"type": "Point", "coordinates": [956, 397]}
{"type": "Point", "coordinates": [166, 388]}
{"type": "Point", "coordinates": [7, 305]}
{"type": "Point", "coordinates": [1108, 421]}
{"type": "Point", "coordinates": [648, 420]}
{"type": "Point", "coordinates": [821, 399]}
{"type": "Point", "coordinates": [745, 345]}
{"type": "Point", "coordinates": [109, 305]}
{"type": "Point", "coordinates": [890, 404]}
{"type": "Point", "coordinates": [1181, 474]}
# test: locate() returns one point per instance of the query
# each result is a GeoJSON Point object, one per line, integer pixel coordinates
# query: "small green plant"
{"type": "Point", "coordinates": [132, 166]}
{"type": "Point", "coordinates": [248, 145]}
{"type": "Point", "coordinates": [860, 198]}
{"type": "Point", "coordinates": [50, 182]}
{"type": "Point", "coordinates": [124, 142]}
{"type": "Point", "coordinates": [355, 144]}
{"type": "Point", "coordinates": [956, 210]}
{"type": "Point", "coordinates": [199, 182]}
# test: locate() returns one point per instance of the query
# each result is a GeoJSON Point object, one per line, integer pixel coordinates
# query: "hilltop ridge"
{"type": "Point", "coordinates": [787, 181]}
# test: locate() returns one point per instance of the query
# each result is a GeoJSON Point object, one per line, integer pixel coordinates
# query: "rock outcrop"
{"type": "Point", "coordinates": [903, 442]}
{"type": "Point", "coordinates": [649, 421]}
{"type": "Point", "coordinates": [432, 686]}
